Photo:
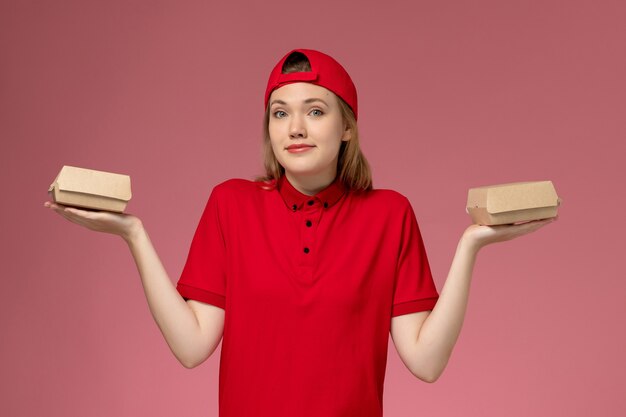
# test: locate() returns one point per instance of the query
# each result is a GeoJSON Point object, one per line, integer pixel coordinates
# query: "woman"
{"type": "Point", "coordinates": [305, 271]}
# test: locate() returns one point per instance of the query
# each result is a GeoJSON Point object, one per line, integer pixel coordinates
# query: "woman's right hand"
{"type": "Point", "coordinates": [120, 224]}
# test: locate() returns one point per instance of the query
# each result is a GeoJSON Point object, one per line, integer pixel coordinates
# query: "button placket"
{"type": "Point", "coordinates": [310, 218]}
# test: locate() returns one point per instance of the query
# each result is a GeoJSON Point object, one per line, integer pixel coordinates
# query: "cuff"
{"type": "Point", "coordinates": [414, 306]}
{"type": "Point", "coordinates": [188, 292]}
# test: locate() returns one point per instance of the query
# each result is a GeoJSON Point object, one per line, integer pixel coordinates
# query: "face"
{"type": "Point", "coordinates": [306, 114]}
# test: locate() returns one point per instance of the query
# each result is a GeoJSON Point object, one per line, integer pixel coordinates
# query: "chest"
{"type": "Point", "coordinates": [341, 258]}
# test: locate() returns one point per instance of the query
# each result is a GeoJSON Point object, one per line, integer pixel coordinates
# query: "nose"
{"type": "Point", "coordinates": [296, 129]}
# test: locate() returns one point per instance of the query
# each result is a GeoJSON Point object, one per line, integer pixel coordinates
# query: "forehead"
{"type": "Point", "coordinates": [295, 92]}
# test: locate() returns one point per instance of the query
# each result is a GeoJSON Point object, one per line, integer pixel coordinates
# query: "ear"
{"type": "Point", "coordinates": [347, 133]}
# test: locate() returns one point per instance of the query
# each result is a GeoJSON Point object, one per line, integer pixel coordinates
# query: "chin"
{"type": "Point", "coordinates": [300, 171]}
{"type": "Point", "coordinates": [304, 166]}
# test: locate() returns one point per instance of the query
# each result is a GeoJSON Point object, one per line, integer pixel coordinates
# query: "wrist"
{"type": "Point", "coordinates": [134, 231]}
{"type": "Point", "coordinates": [469, 243]}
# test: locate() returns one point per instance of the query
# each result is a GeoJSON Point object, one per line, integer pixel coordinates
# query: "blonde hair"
{"type": "Point", "coordinates": [352, 166]}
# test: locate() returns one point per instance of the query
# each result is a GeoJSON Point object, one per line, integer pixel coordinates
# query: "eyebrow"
{"type": "Point", "coordinates": [307, 101]}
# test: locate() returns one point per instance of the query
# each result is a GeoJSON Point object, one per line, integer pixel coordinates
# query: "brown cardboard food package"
{"type": "Point", "coordinates": [91, 189]}
{"type": "Point", "coordinates": [512, 202]}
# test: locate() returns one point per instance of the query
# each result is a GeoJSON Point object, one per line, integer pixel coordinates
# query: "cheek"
{"type": "Point", "coordinates": [274, 144]}
{"type": "Point", "coordinates": [273, 130]}
{"type": "Point", "coordinates": [273, 141]}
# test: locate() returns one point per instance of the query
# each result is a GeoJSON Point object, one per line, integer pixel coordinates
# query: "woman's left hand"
{"type": "Point", "coordinates": [481, 236]}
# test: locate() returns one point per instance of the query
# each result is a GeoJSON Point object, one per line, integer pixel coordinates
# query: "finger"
{"type": "Point", "coordinates": [69, 215]}
{"type": "Point", "coordinates": [62, 210]}
{"type": "Point", "coordinates": [81, 215]}
{"type": "Point", "coordinates": [51, 205]}
{"type": "Point", "coordinates": [76, 211]}
{"type": "Point", "coordinates": [536, 225]}
{"type": "Point", "coordinates": [73, 215]}
{"type": "Point", "coordinates": [57, 207]}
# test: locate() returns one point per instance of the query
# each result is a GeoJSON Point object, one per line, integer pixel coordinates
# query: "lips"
{"type": "Point", "coordinates": [299, 145]}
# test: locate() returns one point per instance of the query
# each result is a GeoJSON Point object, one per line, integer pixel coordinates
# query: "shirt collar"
{"type": "Point", "coordinates": [295, 199]}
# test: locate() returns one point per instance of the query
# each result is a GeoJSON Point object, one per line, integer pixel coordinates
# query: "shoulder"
{"type": "Point", "coordinates": [237, 189]}
{"type": "Point", "coordinates": [384, 197]}
{"type": "Point", "coordinates": [381, 205]}
{"type": "Point", "coordinates": [237, 185]}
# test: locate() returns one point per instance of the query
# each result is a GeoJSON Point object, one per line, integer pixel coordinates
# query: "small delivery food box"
{"type": "Point", "coordinates": [512, 202]}
{"type": "Point", "coordinates": [91, 189]}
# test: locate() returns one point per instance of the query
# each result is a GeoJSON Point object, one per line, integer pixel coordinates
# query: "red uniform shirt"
{"type": "Point", "coordinates": [309, 285]}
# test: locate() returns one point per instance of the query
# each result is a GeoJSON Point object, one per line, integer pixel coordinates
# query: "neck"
{"type": "Point", "coordinates": [311, 184]}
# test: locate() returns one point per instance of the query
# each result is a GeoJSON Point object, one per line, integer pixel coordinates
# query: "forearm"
{"type": "Point", "coordinates": [441, 329]}
{"type": "Point", "coordinates": [174, 317]}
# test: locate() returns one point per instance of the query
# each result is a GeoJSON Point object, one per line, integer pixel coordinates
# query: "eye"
{"type": "Point", "coordinates": [276, 112]}
{"type": "Point", "coordinates": [318, 110]}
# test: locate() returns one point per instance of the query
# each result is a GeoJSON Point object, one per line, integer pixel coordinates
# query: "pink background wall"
{"type": "Point", "coordinates": [452, 95]}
